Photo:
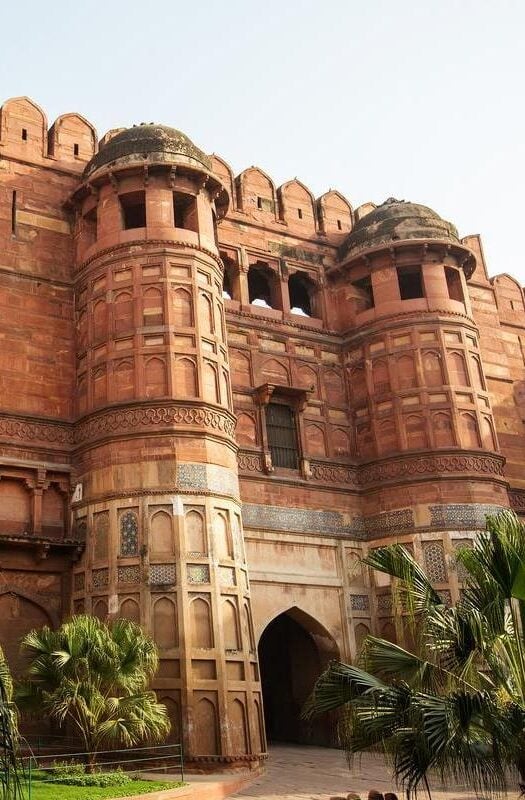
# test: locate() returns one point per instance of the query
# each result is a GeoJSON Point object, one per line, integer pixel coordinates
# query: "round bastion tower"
{"type": "Point", "coordinates": [156, 467]}
{"type": "Point", "coordinates": [430, 468]}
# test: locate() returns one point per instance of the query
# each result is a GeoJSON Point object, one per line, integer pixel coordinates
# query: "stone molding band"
{"type": "Point", "coordinates": [167, 416]}
{"type": "Point", "coordinates": [35, 430]}
{"type": "Point", "coordinates": [463, 463]}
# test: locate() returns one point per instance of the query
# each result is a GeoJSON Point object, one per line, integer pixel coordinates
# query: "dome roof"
{"type": "Point", "coordinates": [396, 220]}
{"type": "Point", "coordinates": [148, 144]}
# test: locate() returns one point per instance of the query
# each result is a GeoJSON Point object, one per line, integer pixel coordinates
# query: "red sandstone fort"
{"type": "Point", "coordinates": [217, 395]}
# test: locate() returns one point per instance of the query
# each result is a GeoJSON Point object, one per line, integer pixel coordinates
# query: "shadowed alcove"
{"type": "Point", "coordinates": [293, 650]}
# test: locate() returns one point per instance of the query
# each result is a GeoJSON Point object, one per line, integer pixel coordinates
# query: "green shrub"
{"type": "Point", "coordinates": [63, 769]}
{"type": "Point", "coordinates": [102, 779]}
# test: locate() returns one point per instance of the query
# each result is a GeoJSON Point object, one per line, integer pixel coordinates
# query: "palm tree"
{"type": "Point", "coordinates": [455, 702]}
{"type": "Point", "coordinates": [10, 771]}
{"type": "Point", "coordinates": [95, 676]}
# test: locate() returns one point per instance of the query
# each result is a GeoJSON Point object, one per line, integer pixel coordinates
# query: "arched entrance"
{"type": "Point", "coordinates": [293, 650]}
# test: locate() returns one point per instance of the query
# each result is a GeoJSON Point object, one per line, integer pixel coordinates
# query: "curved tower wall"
{"type": "Point", "coordinates": [425, 437]}
{"type": "Point", "coordinates": [155, 450]}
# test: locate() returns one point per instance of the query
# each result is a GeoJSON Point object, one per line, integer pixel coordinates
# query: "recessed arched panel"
{"type": "Point", "coordinates": [365, 441]}
{"type": "Point", "coordinates": [240, 368]}
{"type": "Point", "coordinates": [442, 429]}
{"type": "Point", "coordinates": [161, 533]}
{"type": "Point", "coordinates": [15, 506]}
{"type": "Point", "coordinates": [361, 631]}
{"type": "Point", "coordinates": [123, 313]}
{"type": "Point", "coordinates": [100, 608]}
{"type": "Point", "coordinates": [129, 609]}
{"type": "Point", "coordinates": [487, 429]}
{"type": "Point", "coordinates": [387, 441]}
{"type": "Point", "coordinates": [206, 322]}
{"type": "Point", "coordinates": [155, 378]}
{"type": "Point", "coordinates": [100, 386]}
{"type": "Point", "coordinates": [457, 370]}
{"type": "Point", "coordinates": [248, 634]}
{"type": "Point", "coordinates": [210, 382]}
{"type": "Point", "coordinates": [183, 308]}
{"type": "Point", "coordinates": [173, 711]}
{"type": "Point", "coordinates": [469, 431]}
{"type": "Point", "coordinates": [201, 628]}
{"type": "Point", "coordinates": [100, 321]}
{"type": "Point", "coordinates": [152, 307]}
{"type": "Point", "coordinates": [195, 533]}
{"type": "Point", "coordinates": [230, 626]}
{"type": "Point", "coordinates": [185, 378]}
{"type": "Point", "coordinates": [358, 385]}
{"type": "Point", "coordinates": [388, 632]}
{"type": "Point", "coordinates": [237, 727]}
{"type": "Point", "coordinates": [380, 377]}
{"type": "Point", "coordinates": [416, 432]}
{"type": "Point", "coordinates": [222, 540]}
{"type": "Point", "coordinates": [165, 625]}
{"type": "Point", "coordinates": [124, 380]}
{"type": "Point", "coordinates": [406, 372]}
{"type": "Point", "coordinates": [258, 728]}
{"type": "Point", "coordinates": [246, 430]}
{"type": "Point", "coordinates": [477, 373]}
{"type": "Point", "coordinates": [315, 440]}
{"type": "Point", "coordinates": [334, 387]}
{"type": "Point", "coordinates": [276, 372]}
{"type": "Point", "coordinates": [340, 442]}
{"type": "Point", "coordinates": [432, 369]}
{"type": "Point", "coordinates": [205, 728]}
{"type": "Point", "coordinates": [307, 379]}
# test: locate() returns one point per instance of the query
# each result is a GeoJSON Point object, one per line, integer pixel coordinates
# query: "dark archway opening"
{"type": "Point", "coordinates": [292, 655]}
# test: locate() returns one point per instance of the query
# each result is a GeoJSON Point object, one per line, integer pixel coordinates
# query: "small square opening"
{"type": "Point", "coordinates": [453, 278]}
{"type": "Point", "coordinates": [410, 281]}
{"type": "Point", "coordinates": [366, 293]}
{"type": "Point", "coordinates": [75, 149]}
{"type": "Point", "coordinates": [185, 211]}
{"type": "Point", "coordinates": [133, 207]}
{"type": "Point", "coordinates": [24, 134]}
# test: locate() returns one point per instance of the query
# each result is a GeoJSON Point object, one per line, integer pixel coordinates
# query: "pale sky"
{"type": "Point", "coordinates": [423, 101]}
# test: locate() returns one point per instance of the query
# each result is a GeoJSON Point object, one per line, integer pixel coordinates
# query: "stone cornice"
{"type": "Point", "coordinates": [167, 416]}
{"type": "Point", "coordinates": [462, 464]}
{"type": "Point", "coordinates": [32, 430]}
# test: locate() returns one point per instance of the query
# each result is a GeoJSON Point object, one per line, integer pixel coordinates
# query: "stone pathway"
{"type": "Point", "coordinates": [318, 773]}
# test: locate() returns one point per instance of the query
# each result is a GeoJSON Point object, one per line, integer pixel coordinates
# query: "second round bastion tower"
{"type": "Point", "coordinates": [155, 448]}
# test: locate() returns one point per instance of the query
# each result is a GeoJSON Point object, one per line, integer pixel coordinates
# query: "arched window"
{"type": "Point", "coordinates": [262, 286]}
{"type": "Point", "coordinates": [302, 291]}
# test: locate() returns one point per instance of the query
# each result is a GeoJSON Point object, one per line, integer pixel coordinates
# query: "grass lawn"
{"type": "Point", "coordinates": [60, 791]}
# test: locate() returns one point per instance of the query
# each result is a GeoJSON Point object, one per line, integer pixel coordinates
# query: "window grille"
{"type": "Point", "coordinates": [282, 436]}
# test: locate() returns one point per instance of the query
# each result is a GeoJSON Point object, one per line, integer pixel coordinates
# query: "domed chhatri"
{"type": "Point", "coordinates": [148, 143]}
{"type": "Point", "coordinates": [397, 220]}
